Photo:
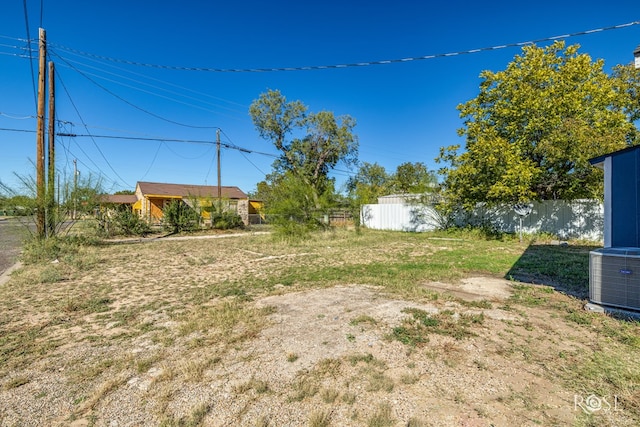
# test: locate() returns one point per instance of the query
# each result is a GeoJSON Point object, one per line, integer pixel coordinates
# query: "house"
{"type": "Point", "coordinates": [153, 197]}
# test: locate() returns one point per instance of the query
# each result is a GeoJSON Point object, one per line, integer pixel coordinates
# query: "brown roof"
{"type": "Point", "coordinates": [123, 199]}
{"type": "Point", "coordinates": [186, 190]}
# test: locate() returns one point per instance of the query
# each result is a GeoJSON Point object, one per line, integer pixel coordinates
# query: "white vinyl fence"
{"type": "Point", "coordinates": [577, 219]}
{"type": "Point", "coordinates": [398, 217]}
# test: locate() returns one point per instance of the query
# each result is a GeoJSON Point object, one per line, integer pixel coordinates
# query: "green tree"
{"type": "Point", "coordinates": [371, 182]}
{"type": "Point", "coordinates": [533, 127]}
{"type": "Point", "coordinates": [628, 81]}
{"type": "Point", "coordinates": [310, 146]}
{"type": "Point", "coordinates": [291, 204]}
{"type": "Point", "coordinates": [413, 178]}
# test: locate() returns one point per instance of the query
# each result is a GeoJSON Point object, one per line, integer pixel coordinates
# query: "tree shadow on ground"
{"type": "Point", "coordinates": [561, 266]}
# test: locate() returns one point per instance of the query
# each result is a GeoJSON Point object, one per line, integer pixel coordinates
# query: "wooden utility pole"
{"type": "Point", "coordinates": [51, 199]}
{"type": "Point", "coordinates": [40, 184]}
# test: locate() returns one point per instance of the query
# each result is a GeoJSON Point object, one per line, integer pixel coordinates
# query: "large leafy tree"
{"type": "Point", "coordinates": [310, 146]}
{"type": "Point", "coordinates": [533, 127]}
{"type": "Point", "coordinates": [628, 81]}
{"type": "Point", "coordinates": [373, 181]}
{"type": "Point", "coordinates": [413, 178]}
{"type": "Point", "coordinates": [370, 182]}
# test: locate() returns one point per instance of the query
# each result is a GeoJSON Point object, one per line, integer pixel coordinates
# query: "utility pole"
{"type": "Point", "coordinates": [51, 200]}
{"type": "Point", "coordinates": [40, 184]}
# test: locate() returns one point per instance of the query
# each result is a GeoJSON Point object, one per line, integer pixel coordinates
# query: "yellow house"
{"type": "Point", "coordinates": [153, 197]}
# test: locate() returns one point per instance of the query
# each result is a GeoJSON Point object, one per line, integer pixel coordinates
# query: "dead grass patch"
{"type": "Point", "coordinates": [273, 341]}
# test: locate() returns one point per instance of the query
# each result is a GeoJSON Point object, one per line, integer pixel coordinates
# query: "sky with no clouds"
{"type": "Point", "coordinates": [145, 84]}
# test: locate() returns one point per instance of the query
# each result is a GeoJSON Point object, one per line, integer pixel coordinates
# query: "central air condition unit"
{"type": "Point", "coordinates": [614, 277]}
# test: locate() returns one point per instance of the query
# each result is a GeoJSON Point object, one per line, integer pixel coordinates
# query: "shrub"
{"type": "Point", "coordinates": [129, 224]}
{"type": "Point", "coordinates": [179, 216]}
{"type": "Point", "coordinates": [226, 220]}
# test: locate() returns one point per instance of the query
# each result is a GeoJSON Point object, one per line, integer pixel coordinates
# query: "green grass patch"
{"type": "Point", "coordinates": [566, 266]}
{"type": "Point", "coordinates": [530, 295]}
{"type": "Point", "coordinates": [415, 329]}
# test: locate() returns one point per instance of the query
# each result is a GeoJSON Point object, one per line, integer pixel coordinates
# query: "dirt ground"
{"type": "Point", "coordinates": [319, 357]}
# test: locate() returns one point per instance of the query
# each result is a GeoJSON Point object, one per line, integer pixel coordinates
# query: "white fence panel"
{"type": "Point", "coordinates": [398, 217]}
{"type": "Point", "coordinates": [577, 219]}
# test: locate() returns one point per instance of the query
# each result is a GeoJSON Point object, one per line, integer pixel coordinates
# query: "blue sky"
{"type": "Point", "coordinates": [405, 111]}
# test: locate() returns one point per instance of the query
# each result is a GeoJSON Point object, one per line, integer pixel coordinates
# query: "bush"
{"type": "Point", "coordinates": [226, 220]}
{"type": "Point", "coordinates": [130, 224]}
{"type": "Point", "coordinates": [290, 228]}
{"type": "Point", "coordinates": [179, 216]}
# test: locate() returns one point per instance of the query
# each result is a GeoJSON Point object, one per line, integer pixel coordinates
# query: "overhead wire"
{"type": "Point", "coordinates": [132, 104]}
{"type": "Point", "coordinates": [16, 117]}
{"type": "Point", "coordinates": [164, 82]}
{"type": "Point", "coordinates": [138, 88]}
{"type": "Point", "coordinates": [33, 78]}
{"type": "Point", "coordinates": [350, 65]}
{"type": "Point", "coordinates": [18, 130]}
{"type": "Point", "coordinates": [93, 140]}
{"type": "Point", "coordinates": [152, 161]}
{"type": "Point", "coordinates": [20, 39]}
{"type": "Point", "coordinates": [242, 154]}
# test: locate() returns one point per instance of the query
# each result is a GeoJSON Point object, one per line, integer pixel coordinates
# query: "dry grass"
{"type": "Point", "coordinates": [176, 333]}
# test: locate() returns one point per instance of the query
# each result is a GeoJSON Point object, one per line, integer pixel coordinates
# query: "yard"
{"type": "Point", "coordinates": [340, 329]}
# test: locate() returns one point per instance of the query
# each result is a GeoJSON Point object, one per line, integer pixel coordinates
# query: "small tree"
{"type": "Point", "coordinates": [413, 178]}
{"type": "Point", "coordinates": [371, 182]}
{"type": "Point", "coordinates": [304, 161]}
{"type": "Point", "coordinates": [291, 204]}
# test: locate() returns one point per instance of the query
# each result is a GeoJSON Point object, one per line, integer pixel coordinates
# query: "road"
{"type": "Point", "coordinates": [12, 234]}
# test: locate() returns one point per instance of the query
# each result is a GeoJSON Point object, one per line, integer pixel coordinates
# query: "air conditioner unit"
{"type": "Point", "coordinates": [614, 277]}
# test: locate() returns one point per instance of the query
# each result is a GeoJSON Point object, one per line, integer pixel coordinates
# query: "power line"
{"type": "Point", "coordinates": [15, 38]}
{"type": "Point", "coordinates": [191, 141]}
{"type": "Point", "coordinates": [348, 65]}
{"type": "Point", "coordinates": [229, 145]}
{"type": "Point", "coordinates": [138, 88]}
{"type": "Point", "coordinates": [242, 154]}
{"type": "Point", "coordinates": [152, 161]}
{"type": "Point", "coordinates": [132, 104]}
{"type": "Point", "coordinates": [139, 138]}
{"type": "Point", "coordinates": [18, 130]}
{"type": "Point", "coordinates": [33, 78]}
{"type": "Point", "coordinates": [14, 54]}
{"type": "Point", "coordinates": [16, 117]}
{"type": "Point", "coordinates": [164, 82]}
{"type": "Point", "coordinates": [93, 140]}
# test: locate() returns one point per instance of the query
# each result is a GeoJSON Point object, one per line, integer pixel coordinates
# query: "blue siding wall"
{"type": "Point", "coordinates": [625, 188]}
